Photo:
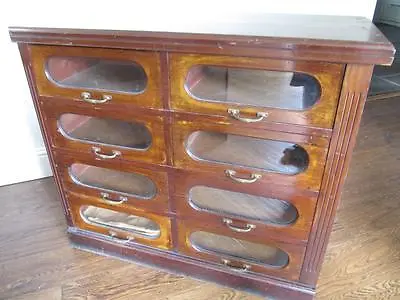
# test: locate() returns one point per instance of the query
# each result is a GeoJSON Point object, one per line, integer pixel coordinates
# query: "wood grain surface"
{"type": "Point", "coordinates": [302, 37]}
{"type": "Point", "coordinates": [149, 61]}
{"type": "Point", "coordinates": [329, 77]}
{"type": "Point", "coordinates": [362, 261]}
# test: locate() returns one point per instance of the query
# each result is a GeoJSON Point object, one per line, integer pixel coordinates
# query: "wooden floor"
{"type": "Point", "coordinates": [362, 262]}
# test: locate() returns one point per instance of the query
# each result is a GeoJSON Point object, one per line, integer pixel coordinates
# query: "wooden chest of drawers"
{"type": "Point", "coordinates": [215, 154]}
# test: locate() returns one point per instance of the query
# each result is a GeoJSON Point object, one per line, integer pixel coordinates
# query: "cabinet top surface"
{"type": "Point", "coordinates": [278, 31]}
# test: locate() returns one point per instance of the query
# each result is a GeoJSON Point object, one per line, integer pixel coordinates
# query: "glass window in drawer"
{"type": "Point", "coordinates": [110, 219]}
{"type": "Point", "coordinates": [251, 87]}
{"type": "Point", "coordinates": [244, 151]}
{"type": "Point", "coordinates": [106, 131]}
{"type": "Point", "coordinates": [258, 208]}
{"type": "Point", "coordinates": [239, 249]}
{"type": "Point", "coordinates": [97, 74]}
{"type": "Point", "coordinates": [131, 184]}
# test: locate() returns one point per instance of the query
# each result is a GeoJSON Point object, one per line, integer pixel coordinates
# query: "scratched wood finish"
{"type": "Point", "coordinates": [150, 62]}
{"type": "Point", "coordinates": [25, 57]}
{"type": "Point", "coordinates": [324, 145]}
{"type": "Point", "coordinates": [158, 203]}
{"type": "Point", "coordinates": [303, 201]}
{"type": "Point", "coordinates": [77, 201]}
{"type": "Point", "coordinates": [353, 96]}
{"type": "Point", "coordinates": [310, 178]}
{"type": "Point", "coordinates": [154, 124]}
{"type": "Point", "coordinates": [361, 262]}
{"type": "Point", "coordinates": [314, 38]}
{"type": "Point", "coordinates": [291, 271]}
{"type": "Point", "coordinates": [321, 114]}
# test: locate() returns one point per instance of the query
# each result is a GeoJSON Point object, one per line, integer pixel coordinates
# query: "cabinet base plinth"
{"type": "Point", "coordinates": [182, 265]}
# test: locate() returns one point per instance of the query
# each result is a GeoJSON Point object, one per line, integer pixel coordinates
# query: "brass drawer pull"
{"type": "Point", "coordinates": [242, 268]}
{"type": "Point", "coordinates": [114, 154]}
{"type": "Point", "coordinates": [106, 199]}
{"type": "Point", "coordinates": [235, 113]}
{"type": "Point", "coordinates": [87, 97]}
{"type": "Point", "coordinates": [247, 228]}
{"type": "Point", "coordinates": [253, 177]}
{"type": "Point", "coordinates": [118, 240]}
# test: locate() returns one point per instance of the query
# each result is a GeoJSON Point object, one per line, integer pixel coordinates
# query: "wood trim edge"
{"type": "Point", "coordinates": [176, 263]}
{"type": "Point", "coordinates": [352, 100]}
{"type": "Point", "coordinates": [25, 56]}
{"type": "Point", "coordinates": [273, 47]}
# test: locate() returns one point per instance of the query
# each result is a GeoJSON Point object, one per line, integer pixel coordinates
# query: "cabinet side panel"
{"type": "Point", "coordinates": [351, 105]}
{"type": "Point", "coordinates": [26, 59]}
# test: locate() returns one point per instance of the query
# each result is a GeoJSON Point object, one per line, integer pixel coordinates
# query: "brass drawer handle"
{"type": "Point", "coordinates": [247, 228]}
{"type": "Point", "coordinates": [118, 240]}
{"type": "Point", "coordinates": [242, 268]}
{"type": "Point", "coordinates": [232, 175]}
{"type": "Point", "coordinates": [235, 113]}
{"type": "Point", "coordinates": [106, 199]}
{"type": "Point", "coordinates": [87, 97]}
{"type": "Point", "coordinates": [96, 151]}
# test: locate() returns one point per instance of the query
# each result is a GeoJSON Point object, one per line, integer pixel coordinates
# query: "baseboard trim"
{"type": "Point", "coordinates": [31, 167]}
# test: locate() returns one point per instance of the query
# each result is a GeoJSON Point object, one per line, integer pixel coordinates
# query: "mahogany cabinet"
{"type": "Point", "coordinates": [217, 154]}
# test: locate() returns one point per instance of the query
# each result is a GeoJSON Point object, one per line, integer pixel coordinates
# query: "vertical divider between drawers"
{"type": "Point", "coordinates": [165, 94]}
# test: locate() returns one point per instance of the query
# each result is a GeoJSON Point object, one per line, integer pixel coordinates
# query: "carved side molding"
{"type": "Point", "coordinates": [351, 105]}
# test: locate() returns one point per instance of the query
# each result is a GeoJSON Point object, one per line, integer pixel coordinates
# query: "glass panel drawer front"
{"type": "Point", "coordinates": [125, 225]}
{"type": "Point", "coordinates": [247, 155]}
{"type": "Point", "coordinates": [251, 207]}
{"type": "Point", "coordinates": [107, 131]}
{"type": "Point", "coordinates": [270, 210]}
{"type": "Point", "coordinates": [121, 184]}
{"type": "Point", "coordinates": [118, 220]}
{"type": "Point", "coordinates": [252, 87]}
{"type": "Point", "coordinates": [243, 151]}
{"type": "Point", "coordinates": [117, 134]}
{"type": "Point", "coordinates": [131, 184]}
{"type": "Point", "coordinates": [255, 92]}
{"type": "Point", "coordinates": [239, 249]}
{"type": "Point", "coordinates": [98, 76]}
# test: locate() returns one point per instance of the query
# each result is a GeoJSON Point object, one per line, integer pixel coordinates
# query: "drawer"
{"type": "Point", "coordinates": [123, 184]}
{"type": "Point", "coordinates": [248, 156]}
{"type": "Point", "coordinates": [255, 91]}
{"type": "Point", "coordinates": [230, 250]}
{"type": "Point", "coordinates": [271, 211]}
{"type": "Point", "coordinates": [107, 135]}
{"type": "Point", "coordinates": [98, 76]}
{"type": "Point", "coordinates": [121, 224]}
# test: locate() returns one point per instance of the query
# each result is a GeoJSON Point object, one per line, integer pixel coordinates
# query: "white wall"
{"type": "Point", "coordinates": [22, 154]}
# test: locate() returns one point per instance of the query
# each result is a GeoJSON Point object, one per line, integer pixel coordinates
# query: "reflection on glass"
{"type": "Point", "coordinates": [117, 220]}
{"type": "Point", "coordinates": [244, 151]}
{"type": "Point", "coordinates": [131, 184]}
{"type": "Point", "coordinates": [236, 204]}
{"type": "Point", "coordinates": [106, 131]}
{"type": "Point", "coordinates": [97, 74]}
{"type": "Point", "coordinates": [239, 249]}
{"type": "Point", "coordinates": [287, 90]}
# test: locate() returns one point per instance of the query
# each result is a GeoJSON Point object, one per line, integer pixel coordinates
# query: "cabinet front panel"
{"type": "Point", "coordinates": [251, 90]}
{"type": "Point", "coordinates": [107, 135]}
{"type": "Point", "coordinates": [274, 211]}
{"type": "Point", "coordinates": [121, 224]}
{"type": "Point", "coordinates": [123, 184]}
{"type": "Point", "coordinates": [98, 76]}
{"type": "Point", "coordinates": [249, 156]}
{"type": "Point", "coordinates": [236, 252]}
